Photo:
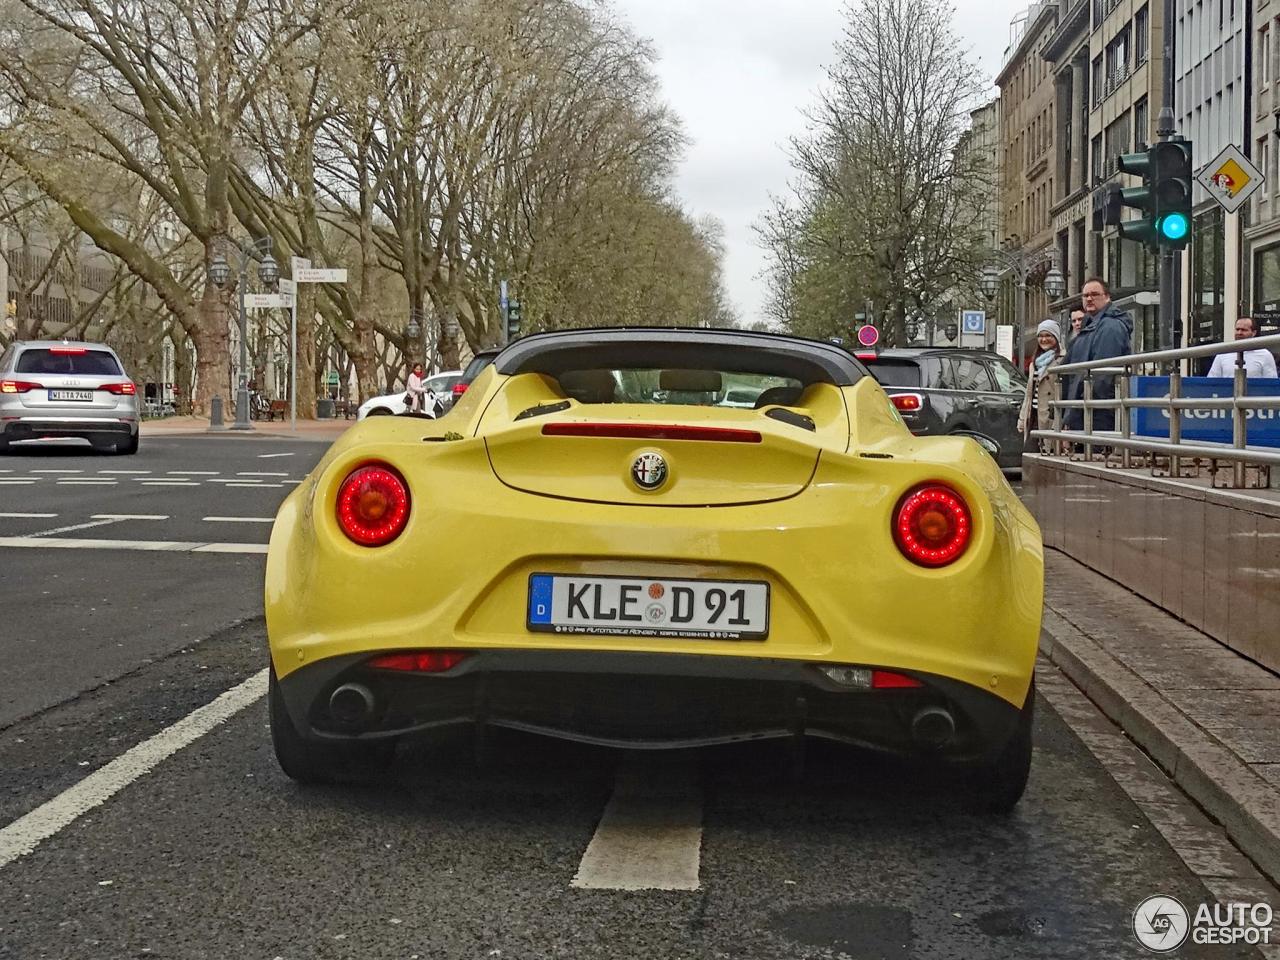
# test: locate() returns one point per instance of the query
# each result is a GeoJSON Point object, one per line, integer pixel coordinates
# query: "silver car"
{"type": "Point", "coordinates": [61, 388]}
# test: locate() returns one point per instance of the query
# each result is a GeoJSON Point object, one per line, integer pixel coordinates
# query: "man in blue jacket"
{"type": "Point", "coordinates": [1107, 332]}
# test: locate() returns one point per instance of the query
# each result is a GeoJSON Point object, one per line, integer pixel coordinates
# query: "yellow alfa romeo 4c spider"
{"type": "Point", "coordinates": [645, 557]}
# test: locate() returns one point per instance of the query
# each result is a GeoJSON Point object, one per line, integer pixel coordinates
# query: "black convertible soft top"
{"type": "Point", "coordinates": [681, 348]}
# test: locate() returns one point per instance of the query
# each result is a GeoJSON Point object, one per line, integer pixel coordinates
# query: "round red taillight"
{"type": "Point", "coordinates": [373, 505]}
{"type": "Point", "coordinates": [932, 526]}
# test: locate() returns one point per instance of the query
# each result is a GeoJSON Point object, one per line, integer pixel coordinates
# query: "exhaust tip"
{"type": "Point", "coordinates": [933, 727]}
{"type": "Point", "coordinates": [351, 704]}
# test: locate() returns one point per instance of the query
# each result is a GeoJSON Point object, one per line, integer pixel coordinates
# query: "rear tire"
{"type": "Point", "coordinates": [128, 447]}
{"type": "Point", "coordinates": [996, 786]}
{"type": "Point", "coordinates": [318, 762]}
{"type": "Point", "coordinates": [4, 445]}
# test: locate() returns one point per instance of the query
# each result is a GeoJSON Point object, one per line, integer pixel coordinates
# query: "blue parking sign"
{"type": "Point", "coordinates": [973, 321]}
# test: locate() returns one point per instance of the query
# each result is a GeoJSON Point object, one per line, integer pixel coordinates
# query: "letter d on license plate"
{"type": "Point", "coordinates": [646, 607]}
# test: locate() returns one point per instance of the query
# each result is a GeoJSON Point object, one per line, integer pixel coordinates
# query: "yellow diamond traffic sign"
{"type": "Point", "coordinates": [1230, 179]}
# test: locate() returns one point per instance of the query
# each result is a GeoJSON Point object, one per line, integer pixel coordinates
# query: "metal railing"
{"type": "Point", "coordinates": [1121, 370]}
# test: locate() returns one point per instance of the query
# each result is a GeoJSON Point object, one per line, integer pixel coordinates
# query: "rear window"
{"type": "Point", "coordinates": [70, 361]}
{"type": "Point", "coordinates": [439, 384]}
{"type": "Point", "coordinates": [895, 373]}
{"type": "Point", "coordinates": [700, 388]}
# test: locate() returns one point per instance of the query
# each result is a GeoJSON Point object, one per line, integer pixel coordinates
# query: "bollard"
{"type": "Point", "coordinates": [215, 414]}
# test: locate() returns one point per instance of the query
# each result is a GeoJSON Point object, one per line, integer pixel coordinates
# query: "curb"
{"type": "Point", "coordinates": [1247, 806]}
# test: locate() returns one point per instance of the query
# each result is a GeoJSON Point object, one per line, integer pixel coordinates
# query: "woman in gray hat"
{"type": "Point", "coordinates": [1041, 379]}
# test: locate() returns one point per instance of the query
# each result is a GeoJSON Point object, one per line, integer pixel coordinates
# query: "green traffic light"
{"type": "Point", "coordinates": [1174, 226]}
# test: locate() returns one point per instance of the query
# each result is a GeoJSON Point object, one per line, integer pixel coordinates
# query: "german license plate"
{"type": "Point", "coordinates": [649, 607]}
{"type": "Point", "coordinates": [79, 395]}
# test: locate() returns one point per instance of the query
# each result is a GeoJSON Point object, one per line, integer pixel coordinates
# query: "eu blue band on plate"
{"type": "Point", "coordinates": [540, 598]}
{"type": "Point", "coordinates": [1262, 427]}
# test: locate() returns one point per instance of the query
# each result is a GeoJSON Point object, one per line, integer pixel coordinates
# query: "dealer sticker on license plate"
{"type": "Point", "coordinates": [84, 395]}
{"type": "Point", "coordinates": [643, 607]}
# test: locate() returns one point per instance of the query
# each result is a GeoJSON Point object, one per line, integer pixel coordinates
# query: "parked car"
{"type": "Point", "coordinates": [481, 360]}
{"type": "Point", "coordinates": [439, 386]}
{"type": "Point", "coordinates": [659, 574]}
{"type": "Point", "coordinates": [62, 388]}
{"type": "Point", "coordinates": [947, 390]}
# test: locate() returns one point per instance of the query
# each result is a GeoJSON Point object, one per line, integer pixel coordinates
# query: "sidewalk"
{"type": "Point", "coordinates": [199, 426]}
{"type": "Point", "coordinates": [1209, 717]}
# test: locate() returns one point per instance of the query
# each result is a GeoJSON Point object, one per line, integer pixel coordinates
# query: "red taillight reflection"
{"type": "Point", "coordinates": [932, 526]}
{"type": "Point", "coordinates": [907, 401]}
{"type": "Point", "coordinates": [126, 389]}
{"type": "Point", "coordinates": [650, 431]}
{"type": "Point", "coordinates": [70, 351]}
{"type": "Point", "coordinates": [18, 386]}
{"type": "Point", "coordinates": [888, 680]}
{"type": "Point", "coordinates": [373, 505]}
{"type": "Point", "coordinates": [459, 389]}
{"type": "Point", "coordinates": [419, 661]}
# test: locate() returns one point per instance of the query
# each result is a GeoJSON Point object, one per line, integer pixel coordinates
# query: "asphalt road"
{"type": "Point", "coordinates": [213, 853]}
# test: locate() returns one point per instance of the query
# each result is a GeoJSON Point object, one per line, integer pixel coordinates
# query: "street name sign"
{"type": "Point", "coordinates": [1230, 179]}
{"type": "Point", "coordinates": [319, 275]}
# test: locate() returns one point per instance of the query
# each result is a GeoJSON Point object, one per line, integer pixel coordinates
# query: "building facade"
{"type": "Point", "coordinates": [1261, 292]}
{"type": "Point", "coordinates": [1028, 173]}
{"type": "Point", "coordinates": [1067, 52]}
{"type": "Point", "coordinates": [1211, 100]}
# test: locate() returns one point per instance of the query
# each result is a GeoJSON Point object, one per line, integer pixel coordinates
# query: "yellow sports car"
{"type": "Point", "coordinates": [642, 559]}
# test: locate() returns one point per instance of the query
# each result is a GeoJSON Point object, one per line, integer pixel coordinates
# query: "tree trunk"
{"type": "Point", "coordinates": [212, 337]}
{"type": "Point", "coordinates": [306, 351]}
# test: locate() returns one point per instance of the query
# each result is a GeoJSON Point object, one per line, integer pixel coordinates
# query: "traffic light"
{"type": "Point", "coordinates": [513, 320]}
{"type": "Point", "coordinates": [1164, 197]}
{"type": "Point", "coordinates": [1171, 173]}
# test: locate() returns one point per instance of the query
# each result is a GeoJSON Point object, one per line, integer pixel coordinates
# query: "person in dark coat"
{"type": "Point", "coordinates": [1107, 331]}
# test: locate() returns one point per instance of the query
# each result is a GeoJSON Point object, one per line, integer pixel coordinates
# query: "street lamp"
{"type": "Point", "coordinates": [1019, 266]}
{"type": "Point", "coordinates": [268, 273]}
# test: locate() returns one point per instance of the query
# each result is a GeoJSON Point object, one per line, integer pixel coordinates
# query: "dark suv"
{"type": "Point", "coordinates": [478, 362]}
{"type": "Point", "coordinates": [940, 390]}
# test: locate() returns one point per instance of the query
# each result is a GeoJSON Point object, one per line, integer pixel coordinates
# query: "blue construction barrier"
{"type": "Point", "coordinates": [1212, 426]}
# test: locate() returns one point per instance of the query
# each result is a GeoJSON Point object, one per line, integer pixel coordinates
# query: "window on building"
{"type": "Point", "coordinates": [1118, 58]}
{"type": "Point", "coordinates": [1141, 124]}
{"type": "Point", "coordinates": [1099, 81]}
{"type": "Point", "coordinates": [1207, 284]}
{"type": "Point", "coordinates": [1095, 165]}
{"type": "Point", "coordinates": [1264, 161]}
{"type": "Point", "coordinates": [1117, 140]}
{"type": "Point", "coordinates": [1266, 285]}
{"type": "Point", "coordinates": [1141, 36]}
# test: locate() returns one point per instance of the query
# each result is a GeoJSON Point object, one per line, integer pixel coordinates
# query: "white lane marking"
{"type": "Point", "coordinates": [292, 483]}
{"type": "Point", "coordinates": [170, 483]}
{"type": "Point", "coordinates": [231, 480]}
{"type": "Point", "coordinates": [27, 832]}
{"type": "Point", "coordinates": [6, 470]}
{"type": "Point", "coordinates": [129, 516]}
{"type": "Point", "coordinates": [169, 546]}
{"type": "Point", "coordinates": [650, 835]}
{"type": "Point", "coordinates": [27, 516]}
{"type": "Point", "coordinates": [1086, 500]}
{"type": "Point", "coordinates": [270, 456]}
{"type": "Point", "coordinates": [57, 471]}
{"type": "Point", "coordinates": [252, 474]}
{"type": "Point", "coordinates": [17, 481]}
{"type": "Point", "coordinates": [127, 472]}
{"type": "Point", "coordinates": [76, 526]}
{"type": "Point", "coordinates": [191, 473]}
{"type": "Point", "coordinates": [254, 486]}
{"type": "Point", "coordinates": [234, 519]}
{"type": "Point", "coordinates": [87, 483]}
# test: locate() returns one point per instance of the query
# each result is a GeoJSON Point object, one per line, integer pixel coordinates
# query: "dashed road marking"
{"type": "Point", "coordinates": [17, 481]}
{"type": "Point", "coordinates": [248, 485]}
{"type": "Point", "coordinates": [129, 516]}
{"type": "Point", "coordinates": [230, 480]}
{"type": "Point", "coordinates": [650, 835]}
{"type": "Point", "coordinates": [87, 483]}
{"type": "Point", "coordinates": [28, 516]}
{"type": "Point", "coordinates": [76, 526]}
{"type": "Point", "coordinates": [128, 473]}
{"type": "Point", "coordinates": [27, 832]}
{"type": "Point", "coordinates": [269, 456]}
{"type": "Point", "coordinates": [57, 471]}
{"type": "Point", "coordinates": [252, 474]}
{"type": "Point", "coordinates": [170, 483]}
{"type": "Point", "coordinates": [192, 473]}
{"type": "Point", "coordinates": [158, 546]}
{"type": "Point", "coordinates": [235, 519]}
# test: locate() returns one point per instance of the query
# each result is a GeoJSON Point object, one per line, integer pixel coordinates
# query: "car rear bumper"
{"type": "Point", "coordinates": [647, 701]}
{"type": "Point", "coordinates": [34, 427]}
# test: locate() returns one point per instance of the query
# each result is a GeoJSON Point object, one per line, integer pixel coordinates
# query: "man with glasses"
{"type": "Point", "coordinates": [1107, 331]}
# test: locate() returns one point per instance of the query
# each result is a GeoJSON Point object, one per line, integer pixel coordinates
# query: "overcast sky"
{"type": "Point", "coordinates": [739, 73]}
